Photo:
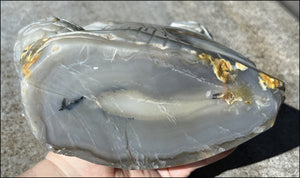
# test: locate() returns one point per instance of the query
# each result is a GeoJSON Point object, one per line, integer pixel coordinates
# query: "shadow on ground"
{"type": "Point", "coordinates": [282, 137]}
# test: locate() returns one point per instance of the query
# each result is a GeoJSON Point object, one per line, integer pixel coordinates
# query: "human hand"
{"type": "Point", "coordinates": [60, 166]}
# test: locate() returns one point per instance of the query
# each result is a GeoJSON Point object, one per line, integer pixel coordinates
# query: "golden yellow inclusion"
{"type": "Point", "coordinates": [29, 56]}
{"type": "Point", "coordinates": [224, 70]}
{"type": "Point", "coordinates": [266, 81]}
{"type": "Point", "coordinates": [221, 67]}
{"type": "Point", "coordinates": [26, 66]}
{"type": "Point", "coordinates": [240, 93]}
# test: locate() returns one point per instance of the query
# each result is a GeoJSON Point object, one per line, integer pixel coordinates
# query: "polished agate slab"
{"type": "Point", "coordinates": [140, 96]}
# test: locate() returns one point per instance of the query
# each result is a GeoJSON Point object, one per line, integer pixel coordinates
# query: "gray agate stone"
{"type": "Point", "coordinates": [140, 96]}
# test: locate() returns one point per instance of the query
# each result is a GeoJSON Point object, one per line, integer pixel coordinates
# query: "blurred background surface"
{"type": "Point", "coordinates": [292, 7]}
{"type": "Point", "coordinates": [265, 32]}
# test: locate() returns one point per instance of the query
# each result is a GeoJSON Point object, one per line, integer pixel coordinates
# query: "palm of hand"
{"type": "Point", "coordinates": [75, 167]}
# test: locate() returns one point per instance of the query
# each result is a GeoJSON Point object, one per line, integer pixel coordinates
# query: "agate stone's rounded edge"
{"type": "Point", "coordinates": [179, 160]}
{"type": "Point", "coordinates": [36, 123]}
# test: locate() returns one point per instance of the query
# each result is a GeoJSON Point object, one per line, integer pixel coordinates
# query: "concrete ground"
{"type": "Point", "coordinates": [262, 31]}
